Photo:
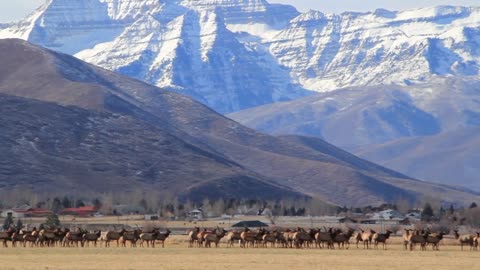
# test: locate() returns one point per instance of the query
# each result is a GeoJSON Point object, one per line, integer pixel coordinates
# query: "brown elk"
{"type": "Point", "coordinates": [113, 236]}
{"type": "Point", "coordinates": [91, 237]}
{"type": "Point", "coordinates": [464, 239]}
{"type": "Point", "coordinates": [343, 239]}
{"type": "Point", "coordinates": [131, 237]}
{"type": "Point", "coordinates": [17, 237]}
{"type": "Point", "coordinates": [419, 237]}
{"type": "Point", "coordinates": [270, 237]}
{"type": "Point", "coordinates": [6, 236]}
{"type": "Point", "coordinates": [193, 236]}
{"type": "Point", "coordinates": [248, 238]}
{"type": "Point", "coordinates": [381, 238]}
{"type": "Point", "coordinates": [476, 239]}
{"type": "Point", "coordinates": [201, 235]}
{"type": "Point", "coordinates": [434, 240]}
{"type": "Point", "coordinates": [214, 238]}
{"type": "Point", "coordinates": [47, 237]}
{"type": "Point", "coordinates": [74, 238]}
{"type": "Point", "coordinates": [149, 238]}
{"type": "Point", "coordinates": [161, 237]}
{"type": "Point", "coordinates": [322, 238]}
{"type": "Point", "coordinates": [30, 237]}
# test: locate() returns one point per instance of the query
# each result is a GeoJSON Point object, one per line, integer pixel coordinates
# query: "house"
{"type": "Point", "coordinates": [250, 224]}
{"type": "Point", "coordinates": [14, 214]}
{"type": "Point", "coordinates": [26, 211]}
{"type": "Point", "coordinates": [389, 214]}
{"type": "Point", "coordinates": [414, 216]}
{"type": "Point", "coordinates": [196, 214]}
{"type": "Point", "coordinates": [347, 220]}
{"type": "Point", "coordinates": [80, 211]}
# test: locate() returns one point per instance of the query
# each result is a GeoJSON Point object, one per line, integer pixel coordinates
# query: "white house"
{"type": "Point", "coordinates": [389, 214]}
{"type": "Point", "coordinates": [196, 214]}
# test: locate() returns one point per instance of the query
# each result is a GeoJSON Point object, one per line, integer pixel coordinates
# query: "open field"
{"type": "Point", "coordinates": [177, 256]}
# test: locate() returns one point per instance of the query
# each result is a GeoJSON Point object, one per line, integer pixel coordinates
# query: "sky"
{"type": "Point", "coordinates": [11, 10]}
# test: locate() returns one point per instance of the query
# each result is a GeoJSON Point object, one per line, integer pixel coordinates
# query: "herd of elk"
{"type": "Point", "coordinates": [79, 237]}
{"type": "Point", "coordinates": [246, 238]}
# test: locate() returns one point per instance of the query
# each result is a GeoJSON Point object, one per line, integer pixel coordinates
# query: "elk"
{"type": "Point", "coordinates": [299, 237]}
{"type": "Point", "coordinates": [271, 238]}
{"type": "Point", "coordinates": [464, 239]}
{"type": "Point", "coordinates": [17, 237]}
{"type": "Point", "coordinates": [248, 238]}
{"type": "Point", "coordinates": [366, 237]}
{"type": "Point", "coordinates": [74, 238]}
{"type": "Point", "coordinates": [201, 235]}
{"type": "Point", "coordinates": [325, 237]}
{"type": "Point", "coordinates": [288, 236]}
{"type": "Point", "coordinates": [161, 237]}
{"type": "Point", "coordinates": [343, 239]}
{"type": "Point", "coordinates": [406, 236]}
{"type": "Point", "coordinates": [214, 238]}
{"type": "Point", "coordinates": [46, 238]}
{"type": "Point", "coordinates": [131, 237]}
{"type": "Point", "coordinates": [30, 237]}
{"type": "Point", "coordinates": [91, 237]}
{"type": "Point", "coordinates": [420, 237]}
{"type": "Point", "coordinates": [6, 236]}
{"type": "Point", "coordinates": [193, 236]}
{"type": "Point", "coordinates": [435, 239]}
{"type": "Point", "coordinates": [113, 236]}
{"type": "Point", "coordinates": [232, 237]}
{"type": "Point", "coordinates": [381, 238]}
{"type": "Point", "coordinates": [149, 238]}
{"type": "Point", "coordinates": [476, 239]}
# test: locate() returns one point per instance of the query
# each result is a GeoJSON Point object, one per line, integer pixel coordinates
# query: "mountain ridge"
{"type": "Point", "coordinates": [205, 149]}
{"type": "Point", "coordinates": [258, 53]}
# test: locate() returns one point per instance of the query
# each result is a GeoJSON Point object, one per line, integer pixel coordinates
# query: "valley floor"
{"type": "Point", "coordinates": [177, 256]}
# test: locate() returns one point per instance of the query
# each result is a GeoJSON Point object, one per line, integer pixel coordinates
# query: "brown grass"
{"type": "Point", "coordinates": [177, 256]}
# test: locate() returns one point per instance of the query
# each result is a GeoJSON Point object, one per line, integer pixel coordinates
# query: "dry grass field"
{"type": "Point", "coordinates": [177, 256]}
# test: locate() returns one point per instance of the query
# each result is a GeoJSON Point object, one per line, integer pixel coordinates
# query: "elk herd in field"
{"type": "Point", "coordinates": [329, 238]}
{"type": "Point", "coordinates": [81, 238]}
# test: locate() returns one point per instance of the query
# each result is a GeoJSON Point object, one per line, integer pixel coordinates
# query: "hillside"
{"type": "Point", "coordinates": [139, 133]}
{"type": "Point", "coordinates": [385, 123]}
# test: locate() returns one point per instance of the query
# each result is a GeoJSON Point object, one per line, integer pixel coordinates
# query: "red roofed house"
{"type": "Point", "coordinates": [32, 212]}
{"type": "Point", "coordinates": [80, 211]}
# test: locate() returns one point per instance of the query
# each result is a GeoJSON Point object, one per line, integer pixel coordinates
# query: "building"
{"type": "Point", "coordinates": [196, 214]}
{"type": "Point", "coordinates": [26, 211]}
{"type": "Point", "coordinates": [80, 211]}
{"type": "Point", "coordinates": [250, 224]}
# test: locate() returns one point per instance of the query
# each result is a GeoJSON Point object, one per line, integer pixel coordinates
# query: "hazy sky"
{"type": "Point", "coordinates": [15, 9]}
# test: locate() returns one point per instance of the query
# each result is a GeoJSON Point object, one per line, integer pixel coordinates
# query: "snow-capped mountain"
{"type": "Point", "coordinates": [182, 45]}
{"type": "Point", "coordinates": [237, 54]}
{"type": "Point", "coordinates": [328, 51]}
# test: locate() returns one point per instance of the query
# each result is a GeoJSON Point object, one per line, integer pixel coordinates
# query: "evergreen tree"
{"type": "Point", "coordinates": [52, 221]}
{"type": "Point", "coordinates": [19, 224]}
{"type": "Point", "coordinates": [8, 221]}
{"type": "Point", "coordinates": [451, 210]}
{"type": "Point", "coordinates": [427, 212]}
{"type": "Point", "coordinates": [473, 205]}
{"type": "Point", "coordinates": [66, 203]}
{"type": "Point", "coordinates": [97, 203]}
{"type": "Point", "coordinates": [56, 205]}
{"type": "Point", "coordinates": [79, 203]}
